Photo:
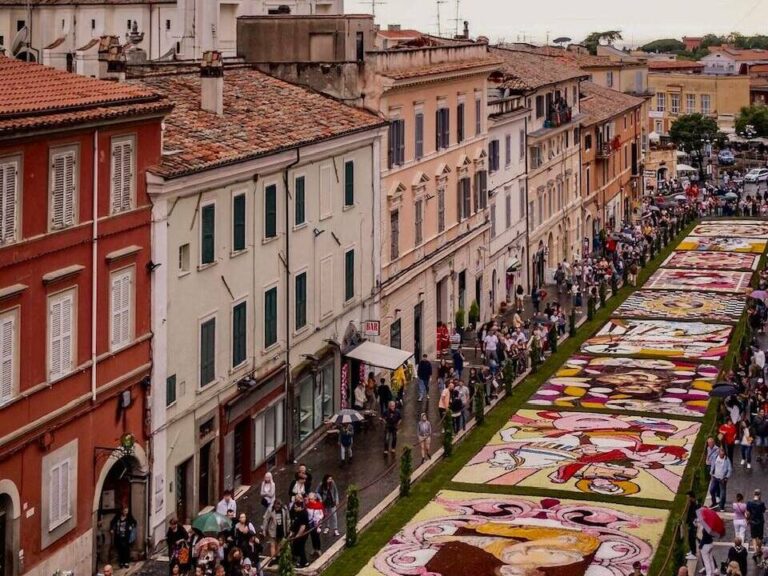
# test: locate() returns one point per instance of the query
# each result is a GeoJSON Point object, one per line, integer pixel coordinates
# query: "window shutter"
{"type": "Point", "coordinates": [116, 310]}
{"type": "Point", "coordinates": [208, 234]}
{"type": "Point", "coordinates": [7, 357]}
{"type": "Point", "coordinates": [270, 212]}
{"type": "Point", "coordinates": [125, 312]}
{"type": "Point", "coordinates": [392, 144]}
{"type": "Point", "coordinates": [401, 142]}
{"type": "Point", "coordinates": [54, 497]}
{"type": "Point", "coordinates": [8, 201]}
{"type": "Point", "coordinates": [69, 189]}
{"type": "Point", "coordinates": [446, 128]}
{"type": "Point", "coordinates": [238, 223]}
{"type": "Point", "coordinates": [57, 192]}
{"type": "Point", "coordinates": [64, 505]}
{"type": "Point", "coordinates": [459, 200]}
{"type": "Point", "coordinates": [127, 171]}
{"type": "Point", "coordinates": [349, 183]}
{"type": "Point", "coordinates": [438, 129]}
{"type": "Point", "coordinates": [66, 334]}
{"type": "Point", "coordinates": [117, 178]}
{"type": "Point", "coordinates": [419, 135]}
{"type": "Point", "coordinates": [55, 339]}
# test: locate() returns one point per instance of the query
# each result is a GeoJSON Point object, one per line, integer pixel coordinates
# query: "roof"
{"type": "Point", "coordinates": [399, 34]}
{"type": "Point", "coordinates": [529, 71]}
{"type": "Point", "coordinates": [656, 65]}
{"type": "Point", "coordinates": [599, 104]}
{"type": "Point", "coordinates": [36, 96]}
{"type": "Point", "coordinates": [440, 68]}
{"type": "Point", "coordinates": [34, 3]}
{"type": "Point", "coordinates": [741, 55]}
{"type": "Point", "coordinates": [758, 69]}
{"type": "Point", "coordinates": [262, 116]}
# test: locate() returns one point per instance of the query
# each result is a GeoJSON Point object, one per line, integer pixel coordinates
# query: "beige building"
{"type": "Point", "coordinates": [718, 96]}
{"type": "Point", "coordinates": [265, 246]}
{"type": "Point", "coordinates": [550, 87]}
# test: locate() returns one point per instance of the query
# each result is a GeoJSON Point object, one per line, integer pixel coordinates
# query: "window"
{"type": "Point", "coordinates": [349, 275]}
{"type": "Point", "coordinates": [270, 211]}
{"type": "Point", "coordinates": [270, 317]}
{"type": "Point", "coordinates": [588, 142]}
{"type": "Point", "coordinates": [349, 183]}
{"type": "Point", "coordinates": [123, 160]}
{"type": "Point", "coordinates": [208, 234]}
{"type": "Point", "coordinates": [395, 331]}
{"type": "Point", "coordinates": [460, 122]}
{"type": "Point", "coordinates": [661, 102]}
{"type": "Point", "coordinates": [360, 46]}
{"type": "Point", "coordinates": [93, 24]}
{"type": "Point", "coordinates": [238, 223]}
{"type": "Point", "coordinates": [522, 200]}
{"type": "Point", "coordinates": [122, 308]}
{"type": "Point", "coordinates": [184, 258]}
{"type": "Point", "coordinates": [9, 346]}
{"type": "Point", "coordinates": [394, 234]}
{"type": "Point", "coordinates": [63, 188]}
{"type": "Point", "coordinates": [443, 132]}
{"type": "Point", "coordinates": [167, 24]}
{"type": "Point", "coordinates": [170, 390]}
{"type": "Point", "coordinates": [301, 300]}
{"type": "Point", "coordinates": [674, 103]}
{"type": "Point", "coordinates": [481, 190]}
{"type": "Point", "coordinates": [419, 209]}
{"type": "Point", "coordinates": [659, 126]}
{"type": "Point", "coordinates": [61, 334]}
{"type": "Point", "coordinates": [493, 155]}
{"type": "Point", "coordinates": [508, 209]}
{"type": "Point", "coordinates": [539, 106]}
{"type": "Point", "coordinates": [706, 102]}
{"type": "Point", "coordinates": [690, 103]}
{"type": "Point", "coordinates": [9, 201]}
{"type": "Point", "coordinates": [609, 79]}
{"type": "Point", "coordinates": [493, 220]}
{"type": "Point", "coordinates": [522, 144]}
{"type": "Point", "coordinates": [239, 333]}
{"type": "Point", "coordinates": [59, 490]}
{"type": "Point", "coordinates": [419, 144]}
{"type": "Point", "coordinates": [478, 115]}
{"type": "Point", "coordinates": [20, 24]}
{"type": "Point", "coordinates": [300, 202]}
{"type": "Point", "coordinates": [507, 149]}
{"type": "Point", "coordinates": [532, 213]}
{"type": "Point", "coordinates": [207, 352]}
{"type": "Point", "coordinates": [464, 199]}
{"type": "Point", "coordinates": [537, 157]}
{"type": "Point", "coordinates": [326, 203]}
{"type": "Point", "coordinates": [268, 431]}
{"type": "Point", "coordinates": [441, 209]}
{"type": "Point", "coordinates": [396, 143]}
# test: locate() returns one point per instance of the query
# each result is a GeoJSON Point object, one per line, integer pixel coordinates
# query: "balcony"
{"type": "Point", "coordinates": [558, 115]}
{"type": "Point", "coordinates": [604, 151]}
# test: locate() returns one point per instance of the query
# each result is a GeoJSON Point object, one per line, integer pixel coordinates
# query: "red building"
{"type": "Point", "coordinates": [75, 336]}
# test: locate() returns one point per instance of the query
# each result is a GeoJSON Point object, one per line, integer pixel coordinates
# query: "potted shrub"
{"type": "Point", "coordinates": [474, 314]}
{"type": "Point", "coordinates": [459, 319]}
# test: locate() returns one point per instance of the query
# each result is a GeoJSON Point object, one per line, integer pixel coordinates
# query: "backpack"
{"type": "Point", "coordinates": [182, 553]}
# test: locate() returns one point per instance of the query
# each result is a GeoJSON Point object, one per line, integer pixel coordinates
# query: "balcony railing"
{"type": "Point", "coordinates": [558, 115]}
{"type": "Point", "coordinates": [604, 150]}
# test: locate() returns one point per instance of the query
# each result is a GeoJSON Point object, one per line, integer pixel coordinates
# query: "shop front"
{"type": "Point", "coordinates": [317, 396]}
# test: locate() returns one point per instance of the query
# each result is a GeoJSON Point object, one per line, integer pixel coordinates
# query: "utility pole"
{"type": "Point", "coordinates": [439, 27]}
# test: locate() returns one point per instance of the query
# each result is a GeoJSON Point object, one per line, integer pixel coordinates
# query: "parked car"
{"type": "Point", "coordinates": [726, 158]}
{"type": "Point", "coordinates": [757, 175]}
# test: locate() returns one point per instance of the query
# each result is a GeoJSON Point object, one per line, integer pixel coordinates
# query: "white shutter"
{"type": "Point", "coordinates": [125, 321]}
{"type": "Point", "coordinates": [122, 175]}
{"type": "Point", "coordinates": [64, 494]}
{"type": "Point", "coordinates": [116, 306]}
{"type": "Point", "coordinates": [69, 189]}
{"type": "Point", "coordinates": [127, 175]}
{"type": "Point", "coordinates": [54, 497]}
{"type": "Point", "coordinates": [66, 334]}
{"type": "Point", "coordinates": [55, 339]}
{"type": "Point", "coordinates": [8, 201]}
{"type": "Point", "coordinates": [7, 356]}
{"type": "Point", "coordinates": [117, 177]}
{"type": "Point", "coordinates": [121, 308]}
{"type": "Point", "coordinates": [63, 181]}
{"type": "Point", "coordinates": [61, 335]}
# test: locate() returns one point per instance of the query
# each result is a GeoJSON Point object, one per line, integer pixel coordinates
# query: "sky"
{"type": "Point", "coordinates": [533, 21]}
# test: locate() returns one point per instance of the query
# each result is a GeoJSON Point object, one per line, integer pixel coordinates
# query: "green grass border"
{"type": "Point", "coordinates": [379, 533]}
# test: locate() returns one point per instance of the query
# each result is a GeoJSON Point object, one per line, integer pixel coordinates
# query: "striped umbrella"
{"type": "Point", "coordinates": [346, 416]}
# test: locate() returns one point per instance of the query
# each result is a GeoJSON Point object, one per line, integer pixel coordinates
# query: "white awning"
{"type": "Point", "coordinates": [379, 355]}
{"type": "Point", "coordinates": [685, 168]}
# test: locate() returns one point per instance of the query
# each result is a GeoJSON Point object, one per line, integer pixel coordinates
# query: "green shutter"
{"type": "Point", "coordinates": [208, 237]}
{"type": "Point", "coordinates": [300, 205]}
{"type": "Point", "coordinates": [270, 211]}
{"type": "Point", "coordinates": [207, 352]}
{"type": "Point", "coordinates": [349, 275]}
{"type": "Point", "coordinates": [349, 183]}
{"type": "Point", "coordinates": [270, 317]}
{"type": "Point", "coordinates": [301, 300]}
{"type": "Point", "coordinates": [170, 390]}
{"type": "Point", "coordinates": [238, 223]}
{"type": "Point", "coordinates": [239, 334]}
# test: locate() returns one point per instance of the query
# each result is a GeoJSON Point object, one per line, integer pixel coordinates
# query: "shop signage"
{"type": "Point", "coordinates": [372, 328]}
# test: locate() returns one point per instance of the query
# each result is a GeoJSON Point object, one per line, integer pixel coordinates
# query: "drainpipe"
{"type": "Point", "coordinates": [94, 261]}
{"type": "Point", "coordinates": [527, 216]}
{"type": "Point", "coordinates": [288, 379]}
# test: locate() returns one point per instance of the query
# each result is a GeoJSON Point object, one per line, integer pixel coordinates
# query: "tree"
{"type": "Point", "coordinates": [690, 131]}
{"type": "Point", "coordinates": [754, 116]}
{"type": "Point", "coordinates": [597, 38]}
{"type": "Point", "coordinates": [353, 512]}
{"type": "Point", "coordinates": [285, 561]}
{"type": "Point", "coordinates": [406, 469]}
{"type": "Point", "coordinates": [664, 45]}
{"type": "Point", "coordinates": [711, 40]}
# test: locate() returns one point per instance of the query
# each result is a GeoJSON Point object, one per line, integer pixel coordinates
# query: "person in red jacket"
{"type": "Point", "coordinates": [727, 433]}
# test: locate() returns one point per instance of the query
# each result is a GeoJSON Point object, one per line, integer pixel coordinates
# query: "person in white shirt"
{"type": "Point", "coordinates": [227, 505]}
{"type": "Point", "coordinates": [491, 342]}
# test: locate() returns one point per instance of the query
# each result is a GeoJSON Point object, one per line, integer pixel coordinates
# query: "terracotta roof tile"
{"type": "Point", "coordinates": [440, 68]}
{"type": "Point", "coordinates": [262, 115]}
{"type": "Point", "coordinates": [399, 34]}
{"type": "Point", "coordinates": [529, 70]}
{"type": "Point", "coordinates": [599, 103]}
{"type": "Point", "coordinates": [655, 65]}
{"type": "Point", "coordinates": [33, 96]}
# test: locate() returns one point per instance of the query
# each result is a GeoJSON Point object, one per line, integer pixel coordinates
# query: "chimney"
{"type": "Point", "coordinates": [466, 30]}
{"type": "Point", "coordinates": [112, 62]}
{"type": "Point", "coordinates": [212, 82]}
{"type": "Point", "coordinates": [393, 27]}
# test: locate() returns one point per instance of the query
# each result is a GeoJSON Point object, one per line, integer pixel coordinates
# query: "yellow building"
{"type": "Point", "coordinates": [720, 97]}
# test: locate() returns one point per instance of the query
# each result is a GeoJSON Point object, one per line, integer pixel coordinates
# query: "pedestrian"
{"type": "Point", "coordinates": [276, 526]}
{"type": "Point", "coordinates": [299, 532]}
{"type": "Point", "coordinates": [746, 439]}
{"type": "Point", "coordinates": [457, 410]}
{"type": "Point", "coordinates": [706, 544]}
{"type": "Point", "coordinates": [727, 434]}
{"type": "Point", "coordinates": [637, 569]}
{"type": "Point", "coordinates": [443, 371]}
{"type": "Point", "coordinates": [458, 363]}
{"type": "Point", "coordinates": [370, 391]}
{"type": "Point", "coordinates": [737, 553]}
{"type": "Point", "coordinates": [316, 513]}
{"type": "Point", "coordinates": [690, 524]}
{"type": "Point", "coordinates": [535, 300]}
{"type": "Point", "coordinates": [519, 292]}
{"type": "Point", "coordinates": [174, 534]}
{"type": "Point", "coordinates": [346, 436]}
{"type": "Point", "coordinates": [391, 424]}
{"type": "Point", "coordinates": [756, 518]}
{"type": "Point", "coordinates": [298, 487]}
{"type": "Point", "coordinates": [490, 343]}
{"type": "Point", "coordinates": [268, 491]}
{"type": "Point", "coordinates": [329, 495]}
{"type": "Point", "coordinates": [740, 517]}
{"type": "Point", "coordinates": [123, 530]}
{"type": "Point", "coordinates": [444, 403]}
{"type": "Point", "coordinates": [106, 571]}
{"type": "Point", "coordinates": [385, 396]}
{"type": "Point", "coordinates": [424, 434]}
{"type": "Point", "coordinates": [227, 505]}
{"type": "Point", "coordinates": [424, 375]}
{"type": "Point", "coordinates": [466, 402]}
{"type": "Point", "coordinates": [242, 532]}
{"type": "Point", "coordinates": [358, 397]}
{"type": "Point", "coordinates": [720, 470]}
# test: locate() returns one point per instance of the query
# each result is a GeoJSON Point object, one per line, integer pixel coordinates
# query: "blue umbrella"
{"type": "Point", "coordinates": [723, 390]}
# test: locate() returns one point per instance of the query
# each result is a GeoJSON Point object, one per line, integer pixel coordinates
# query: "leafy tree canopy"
{"type": "Point", "coordinates": [689, 131]}
{"type": "Point", "coordinates": [596, 38]}
{"type": "Point", "coordinates": [754, 116]}
{"type": "Point", "coordinates": [664, 45]}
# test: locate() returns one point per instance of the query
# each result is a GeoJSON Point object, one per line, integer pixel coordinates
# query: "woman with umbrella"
{"type": "Point", "coordinates": [712, 525]}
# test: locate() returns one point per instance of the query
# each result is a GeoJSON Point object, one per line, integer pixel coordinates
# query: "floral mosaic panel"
{"type": "Point", "coordinates": [712, 260]}
{"type": "Point", "coordinates": [585, 452]}
{"type": "Point", "coordinates": [733, 229]}
{"type": "Point", "coordinates": [473, 534]}
{"type": "Point", "coordinates": [660, 338]}
{"type": "Point", "coordinates": [681, 305]}
{"type": "Point", "coordinates": [722, 244]}
{"type": "Point", "coordinates": [696, 280]}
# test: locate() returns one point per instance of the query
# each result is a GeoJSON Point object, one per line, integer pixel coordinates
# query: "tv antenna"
{"type": "Point", "coordinates": [439, 25]}
{"type": "Point", "coordinates": [373, 4]}
{"type": "Point", "coordinates": [456, 20]}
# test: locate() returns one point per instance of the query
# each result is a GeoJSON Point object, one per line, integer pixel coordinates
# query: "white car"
{"type": "Point", "coordinates": [757, 175]}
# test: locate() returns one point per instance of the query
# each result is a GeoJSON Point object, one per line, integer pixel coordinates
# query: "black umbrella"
{"type": "Point", "coordinates": [723, 390]}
